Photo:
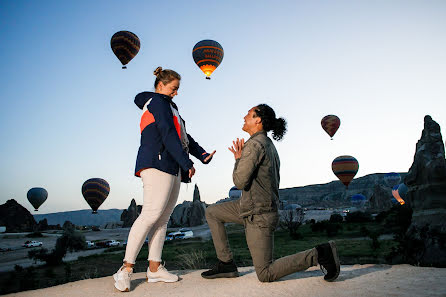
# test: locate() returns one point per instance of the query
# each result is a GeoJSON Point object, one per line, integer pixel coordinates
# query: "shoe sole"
{"type": "Point", "coordinates": [155, 280]}
{"type": "Point", "coordinates": [222, 275]}
{"type": "Point", "coordinates": [336, 258]}
{"type": "Point", "coordinates": [125, 290]}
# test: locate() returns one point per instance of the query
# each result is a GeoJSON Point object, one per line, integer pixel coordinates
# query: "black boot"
{"type": "Point", "coordinates": [328, 259]}
{"type": "Point", "coordinates": [221, 269]}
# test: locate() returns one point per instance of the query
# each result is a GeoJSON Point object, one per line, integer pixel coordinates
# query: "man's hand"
{"type": "Point", "coordinates": [237, 148]}
{"type": "Point", "coordinates": [191, 172]}
{"type": "Point", "coordinates": [209, 158]}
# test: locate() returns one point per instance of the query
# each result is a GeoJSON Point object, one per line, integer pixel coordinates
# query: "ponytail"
{"type": "Point", "coordinates": [270, 122]}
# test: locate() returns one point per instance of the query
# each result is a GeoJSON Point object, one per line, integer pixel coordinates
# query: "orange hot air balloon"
{"type": "Point", "coordinates": [330, 123]}
{"type": "Point", "coordinates": [208, 55]}
{"type": "Point", "coordinates": [396, 194]}
{"type": "Point", "coordinates": [345, 168]}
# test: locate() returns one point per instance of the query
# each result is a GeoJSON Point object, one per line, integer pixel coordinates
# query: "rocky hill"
{"type": "Point", "coordinates": [82, 217]}
{"type": "Point", "coordinates": [334, 194]}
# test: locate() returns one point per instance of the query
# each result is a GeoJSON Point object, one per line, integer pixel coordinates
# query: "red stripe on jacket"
{"type": "Point", "coordinates": [146, 119]}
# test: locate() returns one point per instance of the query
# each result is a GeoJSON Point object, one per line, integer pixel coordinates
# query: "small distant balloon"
{"type": "Point", "coordinates": [235, 193]}
{"type": "Point", "coordinates": [95, 191]}
{"type": "Point", "coordinates": [36, 196]}
{"type": "Point", "coordinates": [330, 123]}
{"type": "Point", "coordinates": [125, 46]}
{"type": "Point", "coordinates": [396, 195]}
{"type": "Point", "coordinates": [208, 55]}
{"type": "Point", "coordinates": [358, 200]}
{"type": "Point", "coordinates": [345, 168]}
{"type": "Point", "coordinates": [392, 178]}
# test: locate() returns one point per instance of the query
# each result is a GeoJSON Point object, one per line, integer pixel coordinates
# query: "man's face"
{"type": "Point", "coordinates": [251, 120]}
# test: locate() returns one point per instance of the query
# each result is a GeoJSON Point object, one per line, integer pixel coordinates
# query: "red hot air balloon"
{"type": "Point", "coordinates": [95, 191]}
{"type": "Point", "coordinates": [345, 168]}
{"type": "Point", "coordinates": [125, 45]}
{"type": "Point", "coordinates": [330, 123]}
{"type": "Point", "coordinates": [396, 194]}
{"type": "Point", "coordinates": [208, 54]}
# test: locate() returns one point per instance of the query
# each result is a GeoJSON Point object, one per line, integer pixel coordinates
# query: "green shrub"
{"type": "Point", "coordinates": [358, 217]}
{"type": "Point", "coordinates": [336, 218]}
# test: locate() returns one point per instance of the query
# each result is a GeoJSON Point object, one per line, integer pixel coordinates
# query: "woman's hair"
{"type": "Point", "coordinates": [165, 76]}
{"type": "Point", "coordinates": [270, 122]}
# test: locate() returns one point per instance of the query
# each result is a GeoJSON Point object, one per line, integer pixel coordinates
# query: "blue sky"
{"type": "Point", "coordinates": [67, 106]}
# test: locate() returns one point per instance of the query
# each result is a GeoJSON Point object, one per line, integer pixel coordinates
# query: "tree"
{"type": "Point", "coordinates": [71, 240]}
{"type": "Point", "coordinates": [291, 220]}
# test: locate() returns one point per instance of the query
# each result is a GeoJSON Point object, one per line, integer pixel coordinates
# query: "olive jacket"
{"type": "Point", "coordinates": [256, 173]}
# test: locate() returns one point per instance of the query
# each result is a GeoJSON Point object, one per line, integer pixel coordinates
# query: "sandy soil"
{"type": "Point", "coordinates": [356, 280]}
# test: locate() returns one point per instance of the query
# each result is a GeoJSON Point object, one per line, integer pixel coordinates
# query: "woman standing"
{"type": "Point", "coordinates": [162, 163]}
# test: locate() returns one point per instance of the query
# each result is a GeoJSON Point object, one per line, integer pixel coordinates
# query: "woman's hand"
{"type": "Point", "coordinates": [237, 148]}
{"type": "Point", "coordinates": [209, 158]}
{"type": "Point", "coordinates": [191, 172]}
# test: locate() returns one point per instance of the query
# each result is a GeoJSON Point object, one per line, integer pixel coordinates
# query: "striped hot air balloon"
{"type": "Point", "coordinates": [345, 168]}
{"type": "Point", "coordinates": [330, 123]}
{"type": "Point", "coordinates": [125, 45]}
{"type": "Point", "coordinates": [95, 191]}
{"type": "Point", "coordinates": [36, 196]}
{"type": "Point", "coordinates": [208, 54]}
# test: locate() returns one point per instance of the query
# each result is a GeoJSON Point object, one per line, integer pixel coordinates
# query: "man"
{"type": "Point", "coordinates": [256, 173]}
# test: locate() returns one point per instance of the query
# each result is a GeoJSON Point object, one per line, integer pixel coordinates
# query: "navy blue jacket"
{"type": "Point", "coordinates": [160, 146]}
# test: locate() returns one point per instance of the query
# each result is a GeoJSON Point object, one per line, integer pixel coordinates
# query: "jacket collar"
{"type": "Point", "coordinates": [258, 133]}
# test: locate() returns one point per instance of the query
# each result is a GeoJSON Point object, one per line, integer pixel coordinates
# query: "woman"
{"type": "Point", "coordinates": [162, 163]}
{"type": "Point", "coordinates": [256, 172]}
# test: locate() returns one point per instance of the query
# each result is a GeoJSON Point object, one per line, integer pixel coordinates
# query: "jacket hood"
{"type": "Point", "coordinates": [142, 98]}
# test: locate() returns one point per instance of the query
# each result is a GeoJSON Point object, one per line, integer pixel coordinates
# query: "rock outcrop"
{"type": "Point", "coordinates": [426, 196]}
{"type": "Point", "coordinates": [130, 214]}
{"type": "Point", "coordinates": [16, 218]}
{"type": "Point", "coordinates": [189, 214]}
{"type": "Point", "coordinates": [380, 199]}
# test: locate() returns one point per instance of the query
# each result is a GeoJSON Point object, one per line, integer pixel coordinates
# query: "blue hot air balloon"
{"type": "Point", "coordinates": [36, 196]}
{"type": "Point", "coordinates": [402, 190]}
{"type": "Point", "coordinates": [358, 200]}
{"type": "Point", "coordinates": [392, 178]}
{"type": "Point", "coordinates": [235, 193]}
{"type": "Point", "coordinates": [95, 191]}
{"type": "Point", "coordinates": [208, 55]}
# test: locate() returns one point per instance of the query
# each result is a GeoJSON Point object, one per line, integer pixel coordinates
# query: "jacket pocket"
{"type": "Point", "coordinates": [265, 220]}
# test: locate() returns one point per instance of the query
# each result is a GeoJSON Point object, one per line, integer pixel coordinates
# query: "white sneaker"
{"type": "Point", "coordinates": [162, 275]}
{"type": "Point", "coordinates": [122, 279]}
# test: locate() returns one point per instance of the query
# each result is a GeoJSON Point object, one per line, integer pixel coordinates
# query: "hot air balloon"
{"type": "Point", "coordinates": [397, 195]}
{"type": "Point", "coordinates": [330, 123]}
{"type": "Point", "coordinates": [392, 178]}
{"type": "Point", "coordinates": [345, 168]}
{"type": "Point", "coordinates": [207, 54]}
{"type": "Point", "coordinates": [402, 190]}
{"type": "Point", "coordinates": [358, 200]}
{"type": "Point", "coordinates": [125, 45]}
{"type": "Point", "coordinates": [95, 191]}
{"type": "Point", "coordinates": [36, 196]}
{"type": "Point", "coordinates": [235, 193]}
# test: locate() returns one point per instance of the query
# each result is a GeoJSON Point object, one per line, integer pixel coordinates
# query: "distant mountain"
{"type": "Point", "coordinates": [82, 217]}
{"type": "Point", "coordinates": [334, 194]}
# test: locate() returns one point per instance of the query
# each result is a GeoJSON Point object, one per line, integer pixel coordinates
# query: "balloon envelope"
{"type": "Point", "coordinates": [208, 55]}
{"type": "Point", "coordinates": [358, 199]}
{"type": "Point", "coordinates": [235, 193]}
{"type": "Point", "coordinates": [402, 190]}
{"type": "Point", "coordinates": [125, 46]}
{"type": "Point", "coordinates": [36, 196]}
{"type": "Point", "coordinates": [95, 191]}
{"type": "Point", "coordinates": [330, 124]}
{"type": "Point", "coordinates": [345, 168]}
{"type": "Point", "coordinates": [392, 178]}
{"type": "Point", "coordinates": [396, 194]}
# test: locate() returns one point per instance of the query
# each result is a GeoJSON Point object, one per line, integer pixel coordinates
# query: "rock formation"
{"type": "Point", "coordinates": [130, 214]}
{"type": "Point", "coordinates": [189, 214]}
{"type": "Point", "coordinates": [426, 181]}
{"type": "Point", "coordinates": [380, 199]}
{"type": "Point", "coordinates": [16, 218]}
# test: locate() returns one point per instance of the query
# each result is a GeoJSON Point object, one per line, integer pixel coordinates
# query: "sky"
{"type": "Point", "coordinates": [67, 111]}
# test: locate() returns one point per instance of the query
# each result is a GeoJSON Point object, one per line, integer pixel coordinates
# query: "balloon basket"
{"type": "Point", "coordinates": [35, 210]}
{"type": "Point", "coordinates": [124, 67]}
{"type": "Point", "coordinates": [94, 212]}
{"type": "Point", "coordinates": [207, 77]}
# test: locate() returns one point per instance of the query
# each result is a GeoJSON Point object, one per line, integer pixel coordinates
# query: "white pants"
{"type": "Point", "coordinates": [160, 196]}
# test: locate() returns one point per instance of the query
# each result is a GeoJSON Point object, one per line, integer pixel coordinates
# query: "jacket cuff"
{"type": "Point", "coordinates": [204, 156]}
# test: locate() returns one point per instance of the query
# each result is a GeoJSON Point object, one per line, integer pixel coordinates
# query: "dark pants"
{"type": "Point", "coordinates": [259, 230]}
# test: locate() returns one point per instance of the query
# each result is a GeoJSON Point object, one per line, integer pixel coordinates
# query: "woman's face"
{"type": "Point", "coordinates": [170, 89]}
{"type": "Point", "coordinates": [251, 120]}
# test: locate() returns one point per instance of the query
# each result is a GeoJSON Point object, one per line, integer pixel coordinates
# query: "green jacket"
{"type": "Point", "coordinates": [256, 173]}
